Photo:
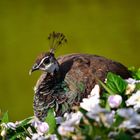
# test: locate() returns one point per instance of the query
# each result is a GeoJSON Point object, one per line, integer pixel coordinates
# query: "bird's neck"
{"type": "Point", "coordinates": [54, 77]}
{"type": "Point", "coordinates": [57, 75]}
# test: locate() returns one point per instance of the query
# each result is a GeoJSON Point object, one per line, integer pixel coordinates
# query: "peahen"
{"type": "Point", "coordinates": [68, 79]}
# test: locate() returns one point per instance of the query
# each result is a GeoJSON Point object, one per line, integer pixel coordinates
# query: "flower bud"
{"type": "Point", "coordinates": [114, 101]}
{"type": "Point", "coordinates": [43, 127]}
{"type": "Point", "coordinates": [130, 88]}
{"type": "Point", "coordinates": [3, 133]}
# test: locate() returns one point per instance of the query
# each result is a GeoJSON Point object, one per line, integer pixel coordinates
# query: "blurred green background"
{"type": "Point", "coordinates": [104, 27]}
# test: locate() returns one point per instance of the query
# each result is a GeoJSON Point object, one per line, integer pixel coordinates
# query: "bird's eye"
{"type": "Point", "coordinates": [46, 61]}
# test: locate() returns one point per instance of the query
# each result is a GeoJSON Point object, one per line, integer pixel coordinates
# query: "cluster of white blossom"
{"type": "Point", "coordinates": [70, 121]}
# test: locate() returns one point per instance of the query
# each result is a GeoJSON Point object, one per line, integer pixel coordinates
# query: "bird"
{"type": "Point", "coordinates": [66, 80]}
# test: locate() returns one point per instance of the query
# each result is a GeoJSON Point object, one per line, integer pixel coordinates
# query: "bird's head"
{"type": "Point", "coordinates": [47, 61]}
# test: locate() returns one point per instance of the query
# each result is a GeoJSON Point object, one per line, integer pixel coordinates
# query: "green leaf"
{"type": "Point", "coordinates": [138, 74]}
{"type": "Point", "coordinates": [82, 111]}
{"type": "Point", "coordinates": [123, 136]}
{"type": "Point", "coordinates": [25, 122]}
{"type": "Point", "coordinates": [107, 107]}
{"type": "Point", "coordinates": [5, 118]}
{"type": "Point", "coordinates": [18, 135]}
{"type": "Point", "coordinates": [138, 86]}
{"type": "Point", "coordinates": [105, 87]}
{"type": "Point", "coordinates": [135, 72]}
{"type": "Point", "coordinates": [50, 119]}
{"type": "Point", "coordinates": [115, 83]}
{"type": "Point", "coordinates": [118, 121]}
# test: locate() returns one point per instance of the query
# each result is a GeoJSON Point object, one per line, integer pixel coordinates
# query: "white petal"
{"type": "Point", "coordinates": [64, 130]}
{"type": "Point", "coordinates": [134, 99]}
{"type": "Point", "coordinates": [95, 91]}
{"type": "Point", "coordinates": [130, 88]}
{"type": "Point", "coordinates": [3, 133]}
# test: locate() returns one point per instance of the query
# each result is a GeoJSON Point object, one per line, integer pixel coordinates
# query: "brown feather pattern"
{"type": "Point", "coordinates": [79, 74]}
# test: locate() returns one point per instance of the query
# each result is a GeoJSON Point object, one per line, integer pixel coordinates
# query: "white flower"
{"type": "Point", "coordinates": [27, 138]}
{"type": "Point", "coordinates": [109, 118]}
{"type": "Point", "coordinates": [93, 99]}
{"type": "Point", "coordinates": [67, 126]}
{"type": "Point", "coordinates": [134, 100]}
{"type": "Point", "coordinates": [132, 81]}
{"type": "Point", "coordinates": [36, 136]}
{"type": "Point", "coordinates": [95, 91]}
{"type": "Point", "coordinates": [42, 128]}
{"type": "Point", "coordinates": [133, 123]}
{"type": "Point", "coordinates": [72, 118]}
{"type": "Point", "coordinates": [53, 137]}
{"type": "Point", "coordinates": [126, 112]}
{"type": "Point", "coordinates": [6, 126]}
{"type": "Point", "coordinates": [64, 130]}
{"type": "Point", "coordinates": [59, 120]}
{"type": "Point", "coordinates": [101, 115]}
{"type": "Point", "coordinates": [11, 125]}
{"type": "Point", "coordinates": [130, 88]}
{"type": "Point", "coordinates": [89, 103]}
{"type": "Point", "coordinates": [132, 118]}
{"type": "Point", "coordinates": [114, 101]}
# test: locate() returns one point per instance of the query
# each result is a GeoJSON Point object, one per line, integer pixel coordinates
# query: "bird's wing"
{"type": "Point", "coordinates": [86, 69]}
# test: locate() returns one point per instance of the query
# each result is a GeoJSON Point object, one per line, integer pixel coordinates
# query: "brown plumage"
{"type": "Point", "coordinates": [68, 79]}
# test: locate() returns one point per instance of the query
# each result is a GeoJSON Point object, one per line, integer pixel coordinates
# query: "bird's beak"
{"type": "Point", "coordinates": [34, 68]}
